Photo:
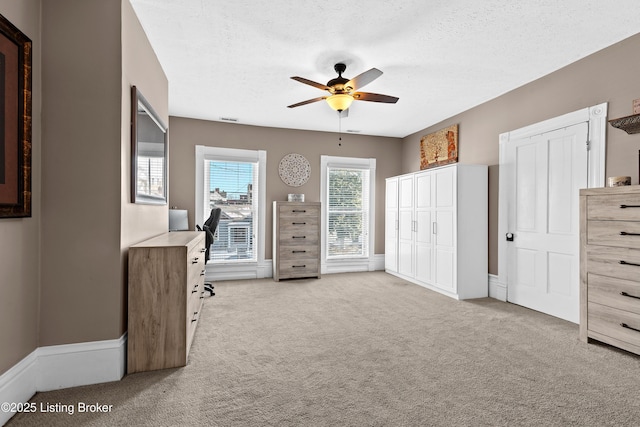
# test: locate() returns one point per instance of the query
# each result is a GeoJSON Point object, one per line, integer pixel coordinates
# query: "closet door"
{"type": "Point", "coordinates": [444, 228]}
{"type": "Point", "coordinates": [391, 225]}
{"type": "Point", "coordinates": [422, 227]}
{"type": "Point", "coordinates": [405, 226]}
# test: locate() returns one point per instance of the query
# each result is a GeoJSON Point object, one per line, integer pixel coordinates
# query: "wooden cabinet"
{"type": "Point", "coordinates": [438, 221]}
{"type": "Point", "coordinates": [296, 240]}
{"type": "Point", "coordinates": [610, 266]}
{"type": "Point", "coordinates": [166, 284]}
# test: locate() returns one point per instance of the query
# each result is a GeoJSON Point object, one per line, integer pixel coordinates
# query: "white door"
{"type": "Point", "coordinates": [391, 225]}
{"type": "Point", "coordinates": [405, 226]}
{"type": "Point", "coordinates": [443, 228]}
{"type": "Point", "coordinates": [546, 172]}
{"type": "Point", "coordinates": [422, 227]}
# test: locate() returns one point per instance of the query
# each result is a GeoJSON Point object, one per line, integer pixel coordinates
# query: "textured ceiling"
{"type": "Point", "coordinates": [233, 59]}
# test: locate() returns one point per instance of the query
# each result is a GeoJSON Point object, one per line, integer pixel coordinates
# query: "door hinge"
{"type": "Point", "coordinates": [588, 145]}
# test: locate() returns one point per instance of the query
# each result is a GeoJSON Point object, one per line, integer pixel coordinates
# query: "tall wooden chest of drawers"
{"type": "Point", "coordinates": [296, 240]}
{"type": "Point", "coordinates": [610, 266]}
{"type": "Point", "coordinates": [166, 285]}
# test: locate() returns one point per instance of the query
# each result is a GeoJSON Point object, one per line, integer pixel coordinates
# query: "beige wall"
{"type": "Point", "coordinates": [140, 67]}
{"type": "Point", "coordinates": [185, 134]}
{"type": "Point", "coordinates": [93, 51]}
{"type": "Point", "coordinates": [20, 237]}
{"type": "Point", "coordinates": [80, 286]}
{"type": "Point", "coordinates": [606, 76]}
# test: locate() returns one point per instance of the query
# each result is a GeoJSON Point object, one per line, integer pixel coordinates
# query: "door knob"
{"type": "Point", "coordinates": [509, 237]}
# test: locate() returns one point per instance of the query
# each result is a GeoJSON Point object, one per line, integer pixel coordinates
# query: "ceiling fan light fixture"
{"type": "Point", "coordinates": [340, 101]}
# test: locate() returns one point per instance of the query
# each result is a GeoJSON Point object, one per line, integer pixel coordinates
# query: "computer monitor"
{"type": "Point", "coordinates": [178, 220]}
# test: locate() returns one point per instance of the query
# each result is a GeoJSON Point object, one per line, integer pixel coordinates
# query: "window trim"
{"type": "Point", "coordinates": [234, 155]}
{"type": "Point", "coordinates": [347, 264]}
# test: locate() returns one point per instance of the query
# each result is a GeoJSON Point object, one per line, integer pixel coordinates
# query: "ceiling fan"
{"type": "Point", "coordinates": [343, 91]}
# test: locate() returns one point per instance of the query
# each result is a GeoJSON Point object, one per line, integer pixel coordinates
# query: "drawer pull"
{"type": "Point", "coordinates": [628, 263]}
{"type": "Point", "coordinates": [624, 233]}
{"type": "Point", "coordinates": [299, 223]}
{"type": "Point", "coordinates": [195, 260]}
{"type": "Point", "coordinates": [624, 325]}
{"type": "Point", "coordinates": [298, 252]}
{"type": "Point", "coordinates": [202, 273]}
{"type": "Point", "coordinates": [298, 237]}
{"type": "Point", "coordinates": [629, 206]}
{"type": "Point", "coordinates": [298, 266]}
{"type": "Point", "coordinates": [203, 250]}
{"type": "Point", "coordinates": [195, 316]}
{"type": "Point", "coordinates": [624, 294]}
{"type": "Point", "coordinates": [299, 210]}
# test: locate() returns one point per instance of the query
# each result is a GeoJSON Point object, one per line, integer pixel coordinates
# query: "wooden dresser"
{"type": "Point", "coordinates": [166, 281]}
{"type": "Point", "coordinates": [296, 240]}
{"type": "Point", "coordinates": [610, 266]}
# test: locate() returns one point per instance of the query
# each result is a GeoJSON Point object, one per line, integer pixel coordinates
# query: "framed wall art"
{"type": "Point", "coordinates": [15, 122]}
{"type": "Point", "coordinates": [439, 148]}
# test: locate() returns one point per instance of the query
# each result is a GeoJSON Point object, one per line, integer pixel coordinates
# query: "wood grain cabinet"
{"type": "Point", "coordinates": [296, 240]}
{"type": "Point", "coordinates": [166, 281]}
{"type": "Point", "coordinates": [610, 266]}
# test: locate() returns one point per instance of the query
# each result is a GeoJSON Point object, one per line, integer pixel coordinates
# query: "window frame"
{"type": "Point", "coordinates": [347, 263]}
{"type": "Point", "coordinates": [233, 155]}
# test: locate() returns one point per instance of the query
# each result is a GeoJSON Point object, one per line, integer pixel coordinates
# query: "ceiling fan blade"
{"type": "Point", "coordinates": [308, 101]}
{"type": "Point", "coordinates": [374, 97]}
{"type": "Point", "coordinates": [310, 83]}
{"type": "Point", "coordinates": [363, 79]}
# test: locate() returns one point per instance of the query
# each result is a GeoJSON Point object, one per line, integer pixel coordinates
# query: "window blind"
{"type": "Point", "coordinates": [232, 186]}
{"type": "Point", "coordinates": [347, 212]}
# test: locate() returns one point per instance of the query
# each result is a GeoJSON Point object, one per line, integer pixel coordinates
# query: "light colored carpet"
{"type": "Point", "coordinates": [368, 349]}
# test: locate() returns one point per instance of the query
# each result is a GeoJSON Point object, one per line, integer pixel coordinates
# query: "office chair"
{"type": "Point", "coordinates": [210, 226]}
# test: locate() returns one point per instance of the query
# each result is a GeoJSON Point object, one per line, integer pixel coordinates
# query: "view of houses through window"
{"type": "Point", "coordinates": [231, 187]}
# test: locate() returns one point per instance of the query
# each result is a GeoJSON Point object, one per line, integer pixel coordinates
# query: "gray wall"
{"type": "Point", "coordinates": [185, 134]}
{"type": "Point", "coordinates": [20, 237]}
{"type": "Point", "coordinates": [64, 270]}
{"type": "Point", "coordinates": [606, 76]}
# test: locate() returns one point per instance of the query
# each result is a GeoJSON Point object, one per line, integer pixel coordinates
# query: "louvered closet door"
{"type": "Point", "coordinates": [405, 226]}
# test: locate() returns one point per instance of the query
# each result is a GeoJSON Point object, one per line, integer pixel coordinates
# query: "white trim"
{"type": "Point", "coordinates": [239, 155]}
{"type": "Point", "coordinates": [378, 262]}
{"type": "Point", "coordinates": [239, 271]}
{"type": "Point", "coordinates": [61, 366]}
{"type": "Point", "coordinates": [596, 116]}
{"type": "Point", "coordinates": [18, 384]}
{"type": "Point", "coordinates": [497, 289]}
{"type": "Point", "coordinates": [351, 264]}
{"type": "Point", "coordinates": [72, 365]}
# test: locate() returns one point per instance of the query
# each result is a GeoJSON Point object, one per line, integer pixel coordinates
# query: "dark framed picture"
{"type": "Point", "coordinates": [15, 122]}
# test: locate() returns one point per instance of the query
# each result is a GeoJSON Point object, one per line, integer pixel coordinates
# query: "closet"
{"type": "Point", "coordinates": [436, 229]}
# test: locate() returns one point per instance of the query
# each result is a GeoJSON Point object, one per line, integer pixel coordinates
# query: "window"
{"type": "Point", "coordinates": [232, 180]}
{"type": "Point", "coordinates": [347, 212]}
{"type": "Point", "coordinates": [348, 188]}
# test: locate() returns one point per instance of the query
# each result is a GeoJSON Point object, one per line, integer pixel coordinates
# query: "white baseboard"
{"type": "Point", "coordinates": [218, 272]}
{"type": "Point", "coordinates": [18, 384]}
{"type": "Point", "coordinates": [497, 289]}
{"type": "Point", "coordinates": [61, 366]}
{"type": "Point", "coordinates": [378, 262]}
{"type": "Point", "coordinates": [72, 365]}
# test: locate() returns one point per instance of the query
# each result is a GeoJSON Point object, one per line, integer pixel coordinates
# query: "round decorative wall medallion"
{"type": "Point", "coordinates": [294, 170]}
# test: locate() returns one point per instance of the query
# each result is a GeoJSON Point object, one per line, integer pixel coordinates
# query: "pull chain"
{"type": "Point", "coordinates": [339, 128]}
